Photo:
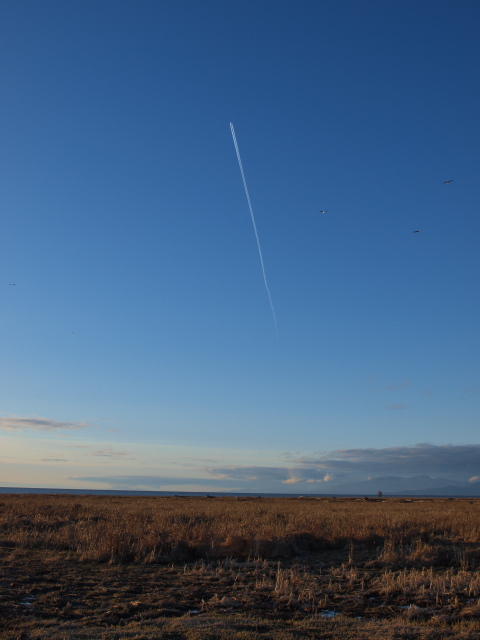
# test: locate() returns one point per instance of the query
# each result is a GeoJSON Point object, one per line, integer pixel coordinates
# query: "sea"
{"type": "Point", "coordinates": [124, 492]}
{"type": "Point", "coordinates": [212, 494]}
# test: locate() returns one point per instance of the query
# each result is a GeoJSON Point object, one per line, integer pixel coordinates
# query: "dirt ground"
{"type": "Point", "coordinates": [54, 596]}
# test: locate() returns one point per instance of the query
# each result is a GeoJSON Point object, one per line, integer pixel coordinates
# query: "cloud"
{"type": "Point", "coordinates": [271, 477]}
{"type": "Point", "coordinates": [16, 423]}
{"type": "Point", "coordinates": [147, 483]}
{"type": "Point", "coordinates": [277, 474]}
{"type": "Point", "coordinates": [104, 452]}
{"type": "Point", "coordinates": [395, 407]}
{"type": "Point", "coordinates": [336, 468]}
{"type": "Point", "coordinates": [291, 454]}
{"type": "Point", "coordinates": [53, 460]}
{"type": "Point", "coordinates": [108, 453]}
{"type": "Point", "coordinates": [448, 459]}
{"type": "Point", "coordinates": [323, 472]}
{"type": "Point", "coordinates": [328, 477]}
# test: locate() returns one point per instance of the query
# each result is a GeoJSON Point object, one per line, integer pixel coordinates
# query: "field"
{"type": "Point", "coordinates": [238, 569]}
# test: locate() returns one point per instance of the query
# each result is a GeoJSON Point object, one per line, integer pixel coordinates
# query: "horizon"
{"type": "Point", "coordinates": [376, 495]}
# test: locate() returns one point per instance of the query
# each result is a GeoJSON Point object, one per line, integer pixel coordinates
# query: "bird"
{"type": "Point", "coordinates": [12, 284]}
{"type": "Point", "coordinates": [447, 181]}
{"type": "Point", "coordinates": [323, 210]}
{"type": "Point", "coordinates": [416, 231]}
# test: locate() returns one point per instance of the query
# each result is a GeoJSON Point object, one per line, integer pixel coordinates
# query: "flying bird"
{"type": "Point", "coordinates": [12, 284]}
{"type": "Point", "coordinates": [323, 210]}
{"type": "Point", "coordinates": [447, 181]}
{"type": "Point", "coordinates": [416, 231]}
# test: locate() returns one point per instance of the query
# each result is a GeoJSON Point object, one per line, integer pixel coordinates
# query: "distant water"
{"type": "Point", "coordinates": [216, 494]}
{"type": "Point", "coordinates": [124, 492]}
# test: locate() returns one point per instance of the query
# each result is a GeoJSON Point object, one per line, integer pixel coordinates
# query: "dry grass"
{"type": "Point", "coordinates": [164, 529]}
{"type": "Point", "coordinates": [191, 568]}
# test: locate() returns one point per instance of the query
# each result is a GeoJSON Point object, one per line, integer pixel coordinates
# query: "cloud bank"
{"type": "Point", "coordinates": [421, 458]}
{"type": "Point", "coordinates": [344, 470]}
{"type": "Point", "coordinates": [336, 468]}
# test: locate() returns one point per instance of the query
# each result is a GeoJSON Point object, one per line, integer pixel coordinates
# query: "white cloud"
{"type": "Point", "coordinates": [474, 479]}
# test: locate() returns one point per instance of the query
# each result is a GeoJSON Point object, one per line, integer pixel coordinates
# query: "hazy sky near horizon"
{"type": "Point", "coordinates": [137, 345]}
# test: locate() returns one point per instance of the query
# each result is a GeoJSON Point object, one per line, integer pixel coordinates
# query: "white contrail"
{"type": "Point", "coordinates": [254, 225]}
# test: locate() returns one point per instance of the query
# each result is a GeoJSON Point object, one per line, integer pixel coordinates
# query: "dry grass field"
{"type": "Point", "coordinates": [224, 568]}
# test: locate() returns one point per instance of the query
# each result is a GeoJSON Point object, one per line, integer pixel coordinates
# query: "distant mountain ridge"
{"type": "Point", "coordinates": [471, 490]}
{"type": "Point", "coordinates": [415, 485]}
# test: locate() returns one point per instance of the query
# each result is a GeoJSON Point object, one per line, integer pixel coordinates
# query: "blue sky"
{"type": "Point", "coordinates": [138, 340]}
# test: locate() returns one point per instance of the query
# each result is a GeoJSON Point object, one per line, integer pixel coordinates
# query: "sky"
{"type": "Point", "coordinates": [138, 347]}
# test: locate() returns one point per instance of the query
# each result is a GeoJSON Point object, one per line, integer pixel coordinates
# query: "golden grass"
{"type": "Point", "coordinates": [126, 529]}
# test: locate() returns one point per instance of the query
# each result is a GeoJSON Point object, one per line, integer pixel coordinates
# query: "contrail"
{"type": "Point", "coordinates": [254, 225]}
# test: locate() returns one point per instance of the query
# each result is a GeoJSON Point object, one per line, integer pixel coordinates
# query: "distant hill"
{"type": "Point", "coordinates": [470, 489]}
{"type": "Point", "coordinates": [416, 485]}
